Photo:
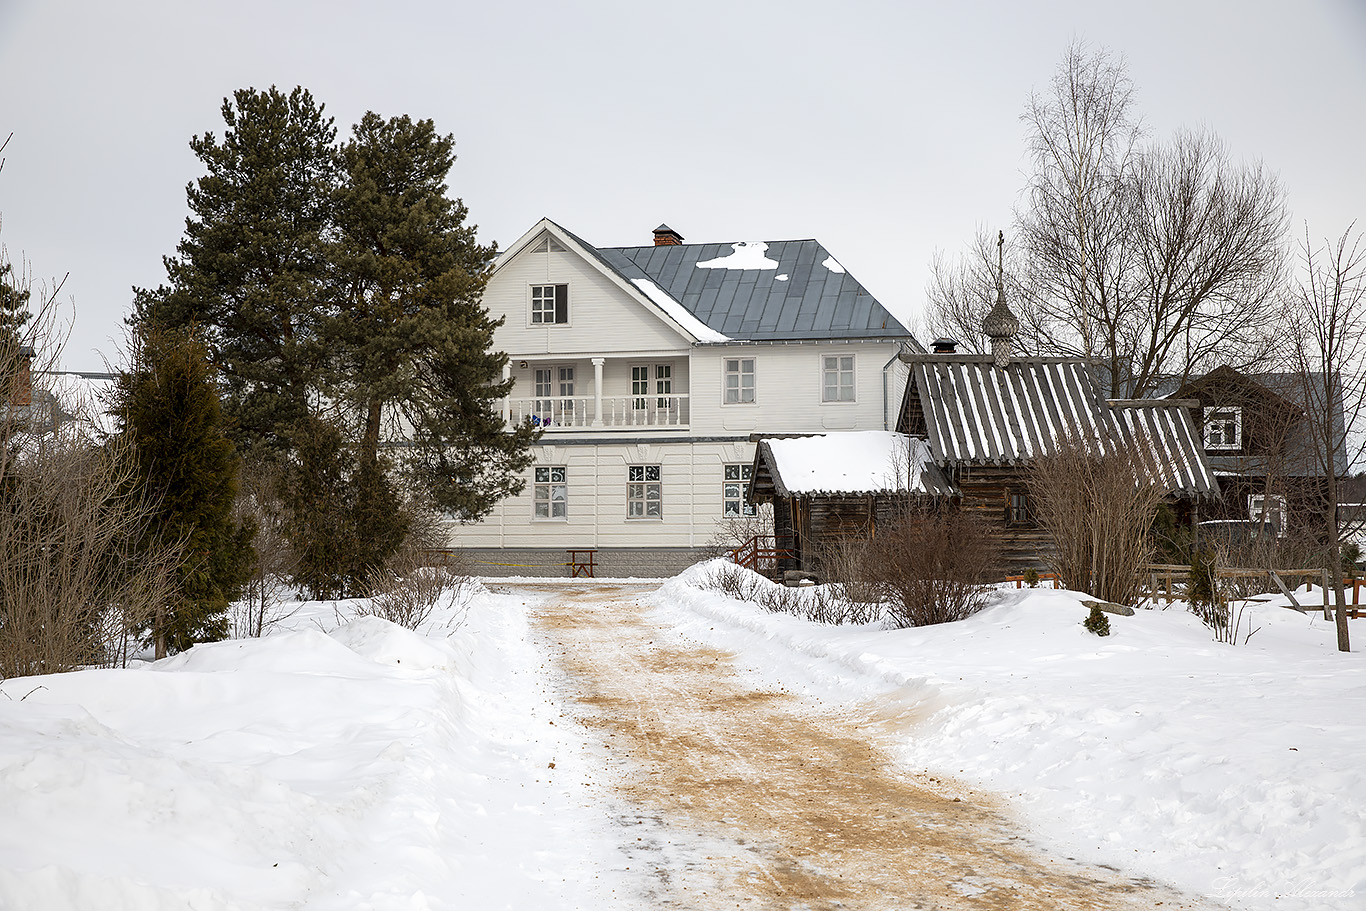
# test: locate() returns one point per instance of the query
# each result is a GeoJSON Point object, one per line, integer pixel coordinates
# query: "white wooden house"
{"type": "Point", "coordinates": [653, 369]}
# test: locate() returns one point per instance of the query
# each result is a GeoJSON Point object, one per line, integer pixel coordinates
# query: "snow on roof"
{"type": "Point", "coordinates": [833, 265]}
{"type": "Point", "coordinates": [747, 255]}
{"type": "Point", "coordinates": [856, 462]}
{"type": "Point", "coordinates": [678, 313]}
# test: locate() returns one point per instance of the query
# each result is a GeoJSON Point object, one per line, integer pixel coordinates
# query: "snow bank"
{"type": "Point", "coordinates": [362, 767]}
{"type": "Point", "coordinates": [1236, 772]}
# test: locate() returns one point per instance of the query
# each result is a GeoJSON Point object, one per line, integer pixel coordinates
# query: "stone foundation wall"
{"type": "Point", "coordinates": [612, 562]}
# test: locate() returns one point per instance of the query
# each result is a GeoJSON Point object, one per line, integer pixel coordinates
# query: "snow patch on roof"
{"type": "Point", "coordinates": [833, 265]}
{"type": "Point", "coordinates": [855, 462]}
{"type": "Point", "coordinates": [747, 255]}
{"type": "Point", "coordinates": [678, 313]}
{"type": "Point", "coordinates": [780, 278]}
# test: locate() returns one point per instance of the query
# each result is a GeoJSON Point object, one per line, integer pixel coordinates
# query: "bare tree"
{"type": "Point", "coordinates": [1327, 335]}
{"type": "Point", "coordinates": [1157, 258]}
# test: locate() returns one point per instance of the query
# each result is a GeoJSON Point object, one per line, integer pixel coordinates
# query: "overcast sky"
{"type": "Point", "coordinates": [886, 130]}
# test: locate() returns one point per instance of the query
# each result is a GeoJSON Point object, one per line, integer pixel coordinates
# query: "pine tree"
{"type": "Point", "coordinates": [251, 266]}
{"type": "Point", "coordinates": [412, 341]}
{"type": "Point", "coordinates": [169, 413]}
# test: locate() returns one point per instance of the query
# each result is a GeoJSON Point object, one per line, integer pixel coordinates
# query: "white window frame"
{"type": "Point", "coordinates": [546, 482]}
{"type": "Point", "coordinates": [839, 373]}
{"type": "Point", "coordinates": [1275, 510]}
{"type": "Point", "coordinates": [536, 300]}
{"type": "Point", "coordinates": [1217, 421]}
{"type": "Point", "coordinates": [644, 490]}
{"type": "Point", "coordinates": [735, 394]}
{"type": "Point", "coordinates": [736, 475]}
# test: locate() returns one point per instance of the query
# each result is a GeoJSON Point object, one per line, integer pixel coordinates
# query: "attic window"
{"type": "Point", "coordinates": [549, 304]}
{"type": "Point", "coordinates": [548, 245]}
{"type": "Point", "coordinates": [1224, 428]}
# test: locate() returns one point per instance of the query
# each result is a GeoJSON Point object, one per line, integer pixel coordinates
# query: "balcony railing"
{"type": "Point", "coordinates": [617, 411]}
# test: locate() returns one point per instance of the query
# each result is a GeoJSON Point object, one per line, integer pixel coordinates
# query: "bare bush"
{"type": "Point", "coordinates": [73, 581]}
{"type": "Point", "coordinates": [817, 603]}
{"type": "Point", "coordinates": [1098, 505]}
{"type": "Point", "coordinates": [260, 502]}
{"type": "Point", "coordinates": [932, 568]}
{"type": "Point", "coordinates": [408, 590]}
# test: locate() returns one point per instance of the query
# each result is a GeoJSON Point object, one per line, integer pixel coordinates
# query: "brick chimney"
{"type": "Point", "coordinates": [943, 346]}
{"type": "Point", "coordinates": [667, 237]}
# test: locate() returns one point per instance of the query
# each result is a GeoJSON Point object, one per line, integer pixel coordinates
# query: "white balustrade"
{"type": "Point", "coordinates": [556, 412]}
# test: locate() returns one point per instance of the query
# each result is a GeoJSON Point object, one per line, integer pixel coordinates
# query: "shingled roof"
{"type": "Point", "coordinates": [972, 412]}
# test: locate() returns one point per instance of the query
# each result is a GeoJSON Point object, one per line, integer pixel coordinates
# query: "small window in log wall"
{"type": "Point", "coordinates": [1017, 508]}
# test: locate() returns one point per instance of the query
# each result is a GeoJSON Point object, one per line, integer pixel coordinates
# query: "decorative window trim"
{"type": "Point", "coordinates": [739, 392]}
{"type": "Point", "coordinates": [1223, 428]}
{"type": "Point", "coordinates": [734, 479]}
{"type": "Point", "coordinates": [548, 304]}
{"type": "Point", "coordinates": [644, 492]}
{"type": "Point", "coordinates": [839, 392]}
{"type": "Point", "coordinates": [1276, 510]}
{"type": "Point", "coordinates": [546, 482]}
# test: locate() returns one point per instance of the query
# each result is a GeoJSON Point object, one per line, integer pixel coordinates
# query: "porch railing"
{"type": "Point", "coordinates": [556, 412]}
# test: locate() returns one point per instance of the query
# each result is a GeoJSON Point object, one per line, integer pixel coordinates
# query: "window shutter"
{"type": "Point", "coordinates": [561, 303]}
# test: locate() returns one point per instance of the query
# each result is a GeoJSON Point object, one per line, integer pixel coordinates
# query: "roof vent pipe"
{"type": "Point", "coordinates": [667, 237]}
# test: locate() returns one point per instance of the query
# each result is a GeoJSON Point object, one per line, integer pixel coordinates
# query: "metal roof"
{"type": "Point", "coordinates": [806, 295]}
{"type": "Point", "coordinates": [976, 413]}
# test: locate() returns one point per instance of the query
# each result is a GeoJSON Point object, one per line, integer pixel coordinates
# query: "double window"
{"type": "Point", "coordinates": [550, 492]}
{"type": "Point", "coordinates": [549, 304]}
{"type": "Point", "coordinates": [739, 385]}
{"type": "Point", "coordinates": [1017, 508]}
{"type": "Point", "coordinates": [837, 378]}
{"type": "Point", "coordinates": [733, 504]}
{"type": "Point", "coordinates": [1224, 428]}
{"type": "Point", "coordinates": [644, 492]}
{"type": "Point", "coordinates": [640, 385]}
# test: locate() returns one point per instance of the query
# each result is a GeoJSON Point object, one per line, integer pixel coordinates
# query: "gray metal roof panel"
{"type": "Point", "coordinates": [801, 307]}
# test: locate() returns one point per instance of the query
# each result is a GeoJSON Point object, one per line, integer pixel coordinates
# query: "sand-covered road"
{"type": "Point", "coordinates": [756, 800]}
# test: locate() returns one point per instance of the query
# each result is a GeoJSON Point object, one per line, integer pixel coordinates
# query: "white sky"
{"type": "Point", "coordinates": [885, 130]}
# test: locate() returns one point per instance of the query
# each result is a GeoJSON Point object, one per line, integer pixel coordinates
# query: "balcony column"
{"type": "Point", "coordinates": [597, 390]}
{"type": "Point", "coordinates": [507, 399]}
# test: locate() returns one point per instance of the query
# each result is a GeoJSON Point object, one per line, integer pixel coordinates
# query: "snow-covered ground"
{"type": "Point", "coordinates": [1237, 772]}
{"type": "Point", "coordinates": [358, 765]}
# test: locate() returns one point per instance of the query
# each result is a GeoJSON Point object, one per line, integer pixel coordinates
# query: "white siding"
{"type": "Point", "coordinates": [692, 476]}
{"type": "Point", "coordinates": [603, 319]}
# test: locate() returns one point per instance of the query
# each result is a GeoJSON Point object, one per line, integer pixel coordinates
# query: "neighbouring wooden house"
{"type": "Point", "coordinates": [830, 490]}
{"type": "Point", "coordinates": [1261, 448]}
{"type": "Point", "coordinates": [986, 418]}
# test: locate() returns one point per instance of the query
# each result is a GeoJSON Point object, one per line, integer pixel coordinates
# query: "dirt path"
{"type": "Point", "coordinates": [757, 802]}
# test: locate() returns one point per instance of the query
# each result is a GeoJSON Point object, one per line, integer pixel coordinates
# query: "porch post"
{"type": "Point", "coordinates": [597, 390]}
{"type": "Point", "coordinates": [507, 399]}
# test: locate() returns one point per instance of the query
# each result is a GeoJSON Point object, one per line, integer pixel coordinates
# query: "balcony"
{"type": "Point", "coordinates": [565, 412]}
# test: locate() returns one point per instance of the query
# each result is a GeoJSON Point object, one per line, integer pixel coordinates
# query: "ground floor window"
{"type": "Point", "coordinates": [551, 493]}
{"type": "Point", "coordinates": [1017, 508]}
{"type": "Point", "coordinates": [733, 504]}
{"type": "Point", "coordinates": [644, 492]}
